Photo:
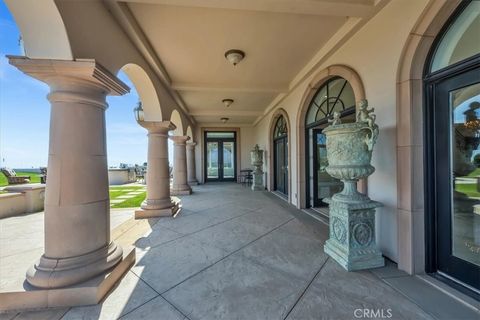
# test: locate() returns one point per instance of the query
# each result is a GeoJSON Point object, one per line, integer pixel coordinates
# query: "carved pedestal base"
{"type": "Point", "coordinates": [352, 235]}
{"type": "Point", "coordinates": [257, 183]}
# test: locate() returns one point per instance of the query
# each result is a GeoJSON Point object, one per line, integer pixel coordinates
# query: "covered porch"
{"type": "Point", "coordinates": [214, 81]}
{"type": "Point", "coordinates": [233, 254]}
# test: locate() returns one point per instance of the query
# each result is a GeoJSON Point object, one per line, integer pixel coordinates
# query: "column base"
{"type": "Point", "coordinates": [171, 211]}
{"type": "Point", "coordinates": [181, 190]}
{"type": "Point", "coordinates": [24, 296]}
{"type": "Point", "coordinates": [193, 183]}
{"type": "Point", "coordinates": [56, 273]}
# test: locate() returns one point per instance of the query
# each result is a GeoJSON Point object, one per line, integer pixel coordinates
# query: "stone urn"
{"type": "Point", "coordinates": [257, 162]}
{"type": "Point", "coordinates": [349, 152]}
{"type": "Point", "coordinates": [352, 214]}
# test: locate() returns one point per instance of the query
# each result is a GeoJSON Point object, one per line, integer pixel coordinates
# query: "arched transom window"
{"type": "Point", "coordinates": [461, 40]}
{"type": "Point", "coordinates": [280, 130]}
{"type": "Point", "coordinates": [334, 95]}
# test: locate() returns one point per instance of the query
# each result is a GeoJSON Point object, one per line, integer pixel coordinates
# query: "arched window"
{"type": "Point", "coordinates": [280, 128]}
{"type": "Point", "coordinates": [335, 95]}
{"type": "Point", "coordinates": [461, 39]}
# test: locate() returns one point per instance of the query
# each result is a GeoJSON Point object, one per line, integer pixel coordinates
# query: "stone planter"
{"type": "Point", "coordinates": [352, 214]}
{"type": "Point", "coordinates": [257, 161]}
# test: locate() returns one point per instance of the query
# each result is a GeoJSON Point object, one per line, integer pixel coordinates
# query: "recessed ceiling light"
{"type": "Point", "coordinates": [227, 102]}
{"type": "Point", "coordinates": [224, 120]}
{"type": "Point", "coordinates": [234, 56]}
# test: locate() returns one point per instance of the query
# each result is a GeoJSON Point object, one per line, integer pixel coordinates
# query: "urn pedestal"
{"type": "Point", "coordinates": [257, 161]}
{"type": "Point", "coordinates": [352, 235]}
{"type": "Point", "coordinates": [352, 214]}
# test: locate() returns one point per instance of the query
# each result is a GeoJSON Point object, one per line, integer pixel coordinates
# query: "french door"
{"type": "Point", "coordinates": [220, 154]}
{"type": "Point", "coordinates": [324, 185]}
{"type": "Point", "coordinates": [453, 189]}
{"type": "Point", "coordinates": [281, 165]}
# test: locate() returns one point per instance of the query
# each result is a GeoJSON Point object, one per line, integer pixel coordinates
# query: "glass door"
{"type": "Point", "coordinates": [220, 156]}
{"type": "Point", "coordinates": [457, 174]}
{"type": "Point", "coordinates": [212, 160]}
{"type": "Point", "coordinates": [228, 160]}
{"type": "Point", "coordinates": [324, 185]}
{"type": "Point", "coordinates": [281, 165]}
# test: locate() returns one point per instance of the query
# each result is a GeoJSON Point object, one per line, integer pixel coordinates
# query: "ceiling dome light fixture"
{"type": "Point", "coordinates": [227, 102]}
{"type": "Point", "coordinates": [224, 120]}
{"type": "Point", "coordinates": [234, 56]}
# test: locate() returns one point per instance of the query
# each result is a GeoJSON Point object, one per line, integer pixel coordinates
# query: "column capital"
{"type": "Point", "coordinates": [157, 127]}
{"type": "Point", "coordinates": [191, 144]}
{"type": "Point", "coordinates": [179, 139]}
{"type": "Point", "coordinates": [80, 73]}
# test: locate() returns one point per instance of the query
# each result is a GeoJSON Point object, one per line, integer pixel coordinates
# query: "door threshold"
{"type": "Point", "coordinates": [324, 211]}
{"type": "Point", "coordinates": [280, 195]}
{"type": "Point", "coordinates": [315, 214]}
{"type": "Point", "coordinates": [452, 291]}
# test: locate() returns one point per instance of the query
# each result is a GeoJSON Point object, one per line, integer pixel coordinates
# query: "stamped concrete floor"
{"type": "Point", "coordinates": [237, 254]}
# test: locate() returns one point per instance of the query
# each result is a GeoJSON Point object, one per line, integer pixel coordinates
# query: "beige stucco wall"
{"type": "Point", "coordinates": [374, 53]}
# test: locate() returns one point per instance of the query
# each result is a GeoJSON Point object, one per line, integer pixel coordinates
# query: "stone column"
{"type": "Point", "coordinates": [180, 185]}
{"type": "Point", "coordinates": [77, 211]}
{"type": "Point", "coordinates": [158, 202]}
{"type": "Point", "coordinates": [192, 179]}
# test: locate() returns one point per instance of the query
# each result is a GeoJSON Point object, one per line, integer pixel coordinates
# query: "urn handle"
{"type": "Point", "coordinates": [367, 116]}
{"type": "Point", "coordinates": [371, 138]}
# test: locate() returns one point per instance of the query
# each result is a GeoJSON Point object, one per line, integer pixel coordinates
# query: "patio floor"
{"type": "Point", "coordinates": [236, 254]}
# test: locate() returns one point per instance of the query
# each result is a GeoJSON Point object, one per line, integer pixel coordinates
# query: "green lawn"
{"type": "Point", "coordinates": [34, 177]}
{"type": "Point", "coordinates": [474, 173]}
{"type": "Point", "coordinates": [115, 191]}
{"type": "Point", "coordinates": [133, 202]}
{"type": "Point", "coordinates": [469, 189]}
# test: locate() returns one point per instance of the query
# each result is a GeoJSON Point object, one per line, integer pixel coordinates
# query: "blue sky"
{"type": "Point", "coordinates": [25, 113]}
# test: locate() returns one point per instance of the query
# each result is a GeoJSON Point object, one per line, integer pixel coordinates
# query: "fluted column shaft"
{"type": "Point", "coordinates": [191, 174]}
{"type": "Point", "coordinates": [180, 185]}
{"type": "Point", "coordinates": [77, 211]}
{"type": "Point", "coordinates": [158, 202]}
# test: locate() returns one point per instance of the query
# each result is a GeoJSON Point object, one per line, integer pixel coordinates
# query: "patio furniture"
{"type": "Point", "coordinates": [43, 176]}
{"type": "Point", "coordinates": [12, 177]}
{"type": "Point", "coordinates": [246, 177]}
{"type": "Point", "coordinates": [140, 173]}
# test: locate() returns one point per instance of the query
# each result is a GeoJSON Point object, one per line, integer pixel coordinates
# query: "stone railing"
{"type": "Point", "coordinates": [19, 199]}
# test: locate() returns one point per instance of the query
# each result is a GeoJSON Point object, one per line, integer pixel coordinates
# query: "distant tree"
{"type": "Point", "coordinates": [476, 160]}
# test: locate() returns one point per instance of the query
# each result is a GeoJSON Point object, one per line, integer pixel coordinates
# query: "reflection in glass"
{"type": "Point", "coordinates": [465, 104]}
{"type": "Point", "coordinates": [212, 160]}
{"type": "Point", "coordinates": [327, 185]}
{"type": "Point", "coordinates": [228, 159]}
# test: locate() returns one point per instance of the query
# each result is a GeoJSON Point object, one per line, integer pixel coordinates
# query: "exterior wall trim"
{"type": "Point", "coordinates": [410, 126]}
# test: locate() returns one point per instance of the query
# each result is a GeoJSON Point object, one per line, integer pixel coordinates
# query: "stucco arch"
{"type": "Point", "coordinates": [410, 175]}
{"type": "Point", "coordinates": [277, 114]}
{"type": "Point", "coordinates": [146, 91]}
{"type": "Point", "coordinates": [317, 81]}
{"type": "Point", "coordinates": [190, 133]}
{"type": "Point", "coordinates": [177, 121]}
{"type": "Point", "coordinates": [44, 34]}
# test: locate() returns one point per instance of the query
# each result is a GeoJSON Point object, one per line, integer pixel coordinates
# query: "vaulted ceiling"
{"type": "Point", "coordinates": [282, 39]}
